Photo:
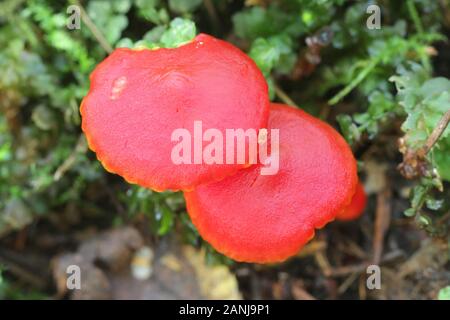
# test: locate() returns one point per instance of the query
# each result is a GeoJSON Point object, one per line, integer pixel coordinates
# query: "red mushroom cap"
{"type": "Point", "coordinates": [356, 207]}
{"type": "Point", "coordinates": [267, 218]}
{"type": "Point", "coordinates": [138, 98]}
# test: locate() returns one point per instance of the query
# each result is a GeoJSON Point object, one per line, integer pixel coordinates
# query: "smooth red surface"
{"type": "Point", "coordinates": [255, 218]}
{"type": "Point", "coordinates": [356, 207]}
{"type": "Point", "coordinates": [138, 98]}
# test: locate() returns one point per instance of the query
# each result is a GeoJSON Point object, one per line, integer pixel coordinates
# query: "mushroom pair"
{"type": "Point", "coordinates": [138, 98]}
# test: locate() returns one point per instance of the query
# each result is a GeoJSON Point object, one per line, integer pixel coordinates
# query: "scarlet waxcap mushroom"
{"type": "Point", "coordinates": [267, 218]}
{"type": "Point", "coordinates": [356, 207]}
{"type": "Point", "coordinates": [138, 98]}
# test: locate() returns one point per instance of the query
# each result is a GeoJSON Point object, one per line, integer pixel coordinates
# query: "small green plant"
{"type": "Point", "coordinates": [444, 293]}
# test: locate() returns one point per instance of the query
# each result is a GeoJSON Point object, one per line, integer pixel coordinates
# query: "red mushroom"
{"type": "Point", "coordinates": [267, 218]}
{"type": "Point", "coordinates": [356, 207]}
{"type": "Point", "coordinates": [138, 98]}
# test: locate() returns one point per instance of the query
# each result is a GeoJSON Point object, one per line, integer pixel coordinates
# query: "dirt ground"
{"type": "Point", "coordinates": [332, 266]}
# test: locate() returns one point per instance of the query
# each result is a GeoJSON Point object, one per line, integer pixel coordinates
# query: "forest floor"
{"type": "Point", "coordinates": [332, 266]}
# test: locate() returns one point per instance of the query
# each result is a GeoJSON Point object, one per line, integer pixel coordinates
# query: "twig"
{"type": "Point", "coordinates": [312, 247]}
{"type": "Point", "coordinates": [436, 134]}
{"type": "Point", "coordinates": [415, 16]}
{"type": "Point", "coordinates": [347, 283]}
{"type": "Point", "coordinates": [414, 162]}
{"type": "Point", "coordinates": [324, 264]}
{"type": "Point", "coordinates": [342, 271]}
{"type": "Point", "coordinates": [284, 96]}
{"type": "Point", "coordinates": [361, 267]}
{"type": "Point", "coordinates": [362, 288]}
{"type": "Point", "coordinates": [352, 248]}
{"type": "Point", "coordinates": [81, 147]}
{"type": "Point", "coordinates": [93, 28]}
{"type": "Point", "coordinates": [382, 221]}
{"type": "Point", "coordinates": [299, 293]}
{"type": "Point", "coordinates": [359, 78]}
{"type": "Point", "coordinates": [24, 267]}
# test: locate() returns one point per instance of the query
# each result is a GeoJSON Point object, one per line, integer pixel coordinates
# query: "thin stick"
{"type": "Point", "coordinates": [415, 16]}
{"type": "Point", "coordinates": [80, 147]}
{"type": "Point", "coordinates": [436, 134]}
{"type": "Point", "coordinates": [93, 28]}
{"type": "Point", "coordinates": [382, 221]}
{"type": "Point", "coordinates": [322, 261]}
{"type": "Point", "coordinates": [347, 283]}
{"type": "Point", "coordinates": [414, 162]}
{"type": "Point", "coordinates": [284, 96]}
{"type": "Point", "coordinates": [345, 270]}
{"type": "Point", "coordinates": [361, 267]}
{"type": "Point", "coordinates": [359, 78]}
{"type": "Point", "coordinates": [301, 294]}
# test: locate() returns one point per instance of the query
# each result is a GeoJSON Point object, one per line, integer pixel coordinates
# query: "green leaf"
{"type": "Point", "coordinates": [260, 22]}
{"type": "Point", "coordinates": [410, 212]}
{"type": "Point", "coordinates": [444, 293]}
{"type": "Point", "coordinates": [61, 40]}
{"type": "Point", "coordinates": [154, 35]}
{"type": "Point", "coordinates": [114, 26]}
{"type": "Point", "coordinates": [148, 9]}
{"type": "Point", "coordinates": [165, 217]}
{"type": "Point", "coordinates": [180, 32]}
{"type": "Point", "coordinates": [121, 6]}
{"type": "Point", "coordinates": [273, 53]}
{"type": "Point", "coordinates": [125, 43]}
{"type": "Point", "coordinates": [110, 17]}
{"type": "Point", "coordinates": [424, 220]}
{"type": "Point", "coordinates": [434, 204]}
{"type": "Point", "coordinates": [147, 4]}
{"type": "Point", "coordinates": [349, 129]}
{"type": "Point", "coordinates": [441, 155]}
{"type": "Point", "coordinates": [424, 100]}
{"type": "Point", "coordinates": [184, 6]}
{"type": "Point", "coordinates": [418, 196]}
